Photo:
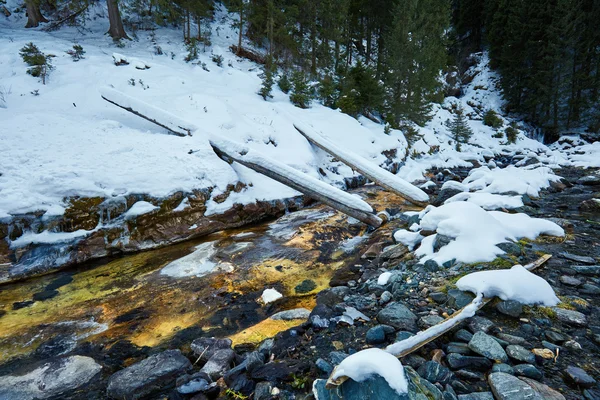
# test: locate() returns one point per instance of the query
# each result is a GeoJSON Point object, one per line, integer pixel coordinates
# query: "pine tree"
{"type": "Point", "coordinates": [301, 92]}
{"type": "Point", "coordinates": [39, 63]}
{"type": "Point", "coordinates": [328, 91]}
{"type": "Point", "coordinates": [267, 82]}
{"type": "Point", "coordinates": [284, 83]}
{"type": "Point", "coordinates": [459, 128]}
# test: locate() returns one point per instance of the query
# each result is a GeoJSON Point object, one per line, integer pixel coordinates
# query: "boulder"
{"type": "Point", "coordinates": [487, 346]}
{"type": "Point", "coordinates": [218, 363]}
{"type": "Point", "coordinates": [508, 387]}
{"type": "Point", "coordinates": [206, 347]}
{"type": "Point", "coordinates": [399, 316]}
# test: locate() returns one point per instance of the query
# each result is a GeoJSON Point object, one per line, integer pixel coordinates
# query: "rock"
{"type": "Point", "coordinates": [520, 353]}
{"type": "Point", "coordinates": [435, 372]}
{"type": "Point", "coordinates": [402, 335]}
{"type": "Point", "coordinates": [469, 375]}
{"type": "Point", "coordinates": [373, 251]}
{"type": "Point", "coordinates": [307, 285]}
{"type": "Point", "coordinates": [429, 321]}
{"type": "Point", "coordinates": [254, 359]}
{"type": "Point", "coordinates": [439, 297]}
{"type": "Point", "coordinates": [457, 361]}
{"type": "Point", "coordinates": [477, 396]}
{"type": "Point", "coordinates": [577, 376]}
{"type": "Point", "coordinates": [266, 346]}
{"type": "Point", "coordinates": [545, 391]}
{"type": "Point", "coordinates": [148, 375]}
{"type": "Point", "coordinates": [546, 354]}
{"type": "Point", "coordinates": [287, 315]}
{"type": "Point", "coordinates": [272, 371]}
{"type": "Point", "coordinates": [332, 296]}
{"type": "Point", "coordinates": [528, 370]}
{"type": "Point", "coordinates": [464, 335]}
{"type": "Point", "coordinates": [375, 388]}
{"type": "Point", "coordinates": [439, 242]}
{"type": "Point", "coordinates": [589, 270]}
{"type": "Point", "coordinates": [588, 288]}
{"type": "Point", "coordinates": [579, 259]}
{"type": "Point", "coordinates": [385, 297]}
{"type": "Point", "coordinates": [510, 307]}
{"type": "Point", "coordinates": [52, 379]}
{"type": "Point", "coordinates": [592, 394]}
{"type": "Point", "coordinates": [458, 298]}
{"type": "Point", "coordinates": [324, 366]}
{"type": "Point", "coordinates": [359, 302]}
{"type": "Point", "coordinates": [263, 391]}
{"type": "Point", "coordinates": [376, 335]}
{"type": "Point", "coordinates": [219, 363]}
{"type": "Point", "coordinates": [431, 266]}
{"type": "Point", "coordinates": [399, 316]}
{"type": "Point", "coordinates": [458, 347]}
{"type": "Point", "coordinates": [572, 345]}
{"type": "Point", "coordinates": [589, 180]}
{"type": "Point", "coordinates": [445, 194]}
{"type": "Point", "coordinates": [485, 345]}
{"type": "Point", "coordinates": [555, 337]}
{"type": "Point", "coordinates": [508, 387]}
{"type": "Point", "coordinates": [477, 324]}
{"type": "Point", "coordinates": [512, 339]}
{"type": "Point", "coordinates": [206, 347]}
{"type": "Point", "coordinates": [198, 382]}
{"type": "Point", "coordinates": [507, 369]}
{"type": "Point", "coordinates": [511, 248]}
{"type": "Point", "coordinates": [394, 252]}
{"type": "Point", "coordinates": [569, 280]}
{"type": "Point", "coordinates": [570, 317]}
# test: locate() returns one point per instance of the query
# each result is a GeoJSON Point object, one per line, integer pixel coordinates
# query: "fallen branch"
{"type": "Point", "coordinates": [367, 168]}
{"type": "Point", "coordinates": [249, 54]}
{"type": "Point", "coordinates": [69, 17]}
{"type": "Point", "coordinates": [144, 110]}
{"type": "Point", "coordinates": [407, 346]}
{"type": "Point", "coordinates": [318, 190]}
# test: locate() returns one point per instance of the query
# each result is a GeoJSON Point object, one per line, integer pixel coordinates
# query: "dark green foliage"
{"type": "Point", "coordinates": [267, 83]}
{"type": "Point", "coordinates": [284, 83]}
{"type": "Point", "coordinates": [76, 53]}
{"type": "Point", "coordinates": [361, 92]}
{"type": "Point", "coordinates": [459, 128]}
{"type": "Point", "coordinates": [39, 63]}
{"type": "Point", "coordinates": [491, 118]}
{"type": "Point", "coordinates": [328, 91]}
{"type": "Point", "coordinates": [217, 59]}
{"type": "Point", "coordinates": [301, 91]}
{"type": "Point", "coordinates": [511, 133]}
{"type": "Point", "coordinates": [411, 134]}
{"type": "Point", "coordinates": [192, 48]}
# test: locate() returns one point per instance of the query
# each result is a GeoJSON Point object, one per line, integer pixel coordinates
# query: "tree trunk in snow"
{"type": "Point", "coordinates": [116, 30]}
{"type": "Point", "coordinates": [34, 15]}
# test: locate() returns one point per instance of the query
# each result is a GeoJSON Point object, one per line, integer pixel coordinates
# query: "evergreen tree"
{"type": "Point", "coordinates": [284, 83]}
{"type": "Point", "coordinates": [361, 92]}
{"type": "Point", "coordinates": [459, 128]}
{"type": "Point", "coordinates": [267, 82]}
{"type": "Point", "coordinates": [300, 95]}
{"type": "Point", "coordinates": [39, 63]}
{"type": "Point", "coordinates": [328, 91]}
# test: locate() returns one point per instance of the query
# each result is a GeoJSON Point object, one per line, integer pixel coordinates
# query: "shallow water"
{"type": "Point", "coordinates": [210, 287]}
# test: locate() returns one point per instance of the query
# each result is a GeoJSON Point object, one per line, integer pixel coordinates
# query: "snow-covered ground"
{"type": "Point", "coordinates": [67, 141]}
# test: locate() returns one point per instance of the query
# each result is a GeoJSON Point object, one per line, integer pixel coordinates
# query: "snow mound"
{"type": "Point", "coordinates": [139, 208]}
{"type": "Point", "coordinates": [510, 179]}
{"type": "Point", "coordinates": [384, 278]}
{"type": "Point", "coordinates": [476, 232]}
{"type": "Point", "coordinates": [488, 201]}
{"type": "Point", "coordinates": [362, 365]}
{"type": "Point", "coordinates": [516, 283]}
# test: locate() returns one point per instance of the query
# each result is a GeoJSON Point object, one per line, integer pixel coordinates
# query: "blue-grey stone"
{"type": "Point", "coordinates": [528, 371]}
{"type": "Point", "coordinates": [483, 344]}
{"type": "Point", "coordinates": [376, 335]}
{"type": "Point", "coordinates": [520, 353]}
{"type": "Point", "coordinates": [399, 316]}
{"type": "Point", "coordinates": [435, 372]}
{"type": "Point", "coordinates": [508, 387]}
{"type": "Point", "coordinates": [507, 369]}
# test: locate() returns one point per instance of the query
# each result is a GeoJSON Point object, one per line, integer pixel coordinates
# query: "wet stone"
{"type": "Point", "coordinates": [148, 375]}
{"type": "Point", "coordinates": [324, 366]}
{"type": "Point", "coordinates": [528, 371]}
{"type": "Point", "coordinates": [486, 346]}
{"type": "Point", "coordinates": [402, 335]}
{"type": "Point", "coordinates": [206, 347]}
{"type": "Point", "coordinates": [569, 280]}
{"type": "Point", "coordinates": [429, 321]}
{"type": "Point", "coordinates": [578, 258]}
{"type": "Point", "coordinates": [431, 266]}
{"type": "Point", "coordinates": [589, 270]}
{"type": "Point", "coordinates": [459, 348]}
{"type": "Point", "coordinates": [306, 286]}
{"type": "Point", "coordinates": [272, 371]}
{"type": "Point", "coordinates": [477, 396]}
{"type": "Point", "coordinates": [520, 353]}
{"type": "Point", "coordinates": [464, 335]}
{"type": "Point", "coordinates": [385, 297]}
{"type": "Point", "coordinates": [579, 377]}
{"type": "Point", "coordinates": [508, 387]}
{"type": "Point", "coordinates": [469, 375]}
{"type": "Point", "coordinates": [512, 339]}
{"type": "Point", "coordinates": [507, 369]}
{"type": "Point", "coordinates": [376, 335]}
{"type": "Point", "coordinates": [482, 324]}
{"type": "Point", "coordinates": [297, 313]}
{"type": "Point", "coordinates": [589, 288]}
{"type": "Point", "coordinates": [458, 298]}
{"type": "Point", "coordinates": [457, 361]}
{"type": "Point", "coordinates": [545, 391]}
{"type": "Point", "coordinates": [218, 363]}
{"type": "Point", "coordinates": [439, 297]}
{"type": "Point", "coordinates": [555, 337]}
{"type": "Point", "coordinates": [198, 382]}
{"type": "Point", "coordinates": [435, 372]}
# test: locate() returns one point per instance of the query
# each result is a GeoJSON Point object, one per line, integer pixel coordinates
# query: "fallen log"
{"type": "Point", "coordinates": [249, 54]}
{"type": "Point", "coordinates": [318, 190]}
{"type": "Point", "coordinates": [407, 346]}
{"type": "Point", "coordinates": [367, 168]}
{"type": "Point", "coordinates": [144, 110]}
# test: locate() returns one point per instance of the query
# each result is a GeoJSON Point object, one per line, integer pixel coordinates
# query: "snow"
{"type": "Point", "coordinates": [510, 179]}
{"type": "Point", "coordinates": [434, 331]}
{"type": "Point", "coordinates": [409, 239]}
{"type": "Point", "coordinates": [47, 237]}
{"type": "Point", "coordinates": [516, 283]}
{"type": "Point", "coordinates": [197, 263]}
{"type": "Point", "coordinates": [270, 295]}
{"type": "Point", "coordinates": [475, 230]}
{"type": "Point", "coordinates": [384, 278]}
{"type": "Point", "coordinates": [488, 201]}
{"type": "Point", "coordinates": [139, 208]}
{"type": "Point", "coordinates": [362, 365]}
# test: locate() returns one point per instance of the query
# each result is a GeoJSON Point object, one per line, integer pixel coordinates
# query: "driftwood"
{"type": "Point", "coordinates": [325, 197]}
{"type": "Point", "coordinates": [387, 183]}
{"type": "Point", "coordinates": [448, 324]}
{"type": "Point", "coordinates": [249, 54]}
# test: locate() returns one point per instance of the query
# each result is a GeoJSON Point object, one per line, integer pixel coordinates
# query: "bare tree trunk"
{"type": "Point", "coordinates": [241, 26]}
{"type": "Point", "coordinates": [34, 15]}
{"type": "Point", "coordinates": [116, 30]}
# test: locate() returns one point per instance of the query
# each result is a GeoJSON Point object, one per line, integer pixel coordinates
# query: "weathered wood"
{"type": "Point", "coordinates": [387, 183]}
{"type": "Point", "coordinates": [325, 198]}
{"type": "Point", "coordinates": [435, 332]}
{"type": "Point", "coordinates": [249, 54]}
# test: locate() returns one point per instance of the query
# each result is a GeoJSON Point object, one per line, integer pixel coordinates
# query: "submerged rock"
{"type": "Point", "coordinates": [52, 379]}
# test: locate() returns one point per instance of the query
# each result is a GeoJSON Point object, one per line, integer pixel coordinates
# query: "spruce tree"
{"type": "Point", "coordinates": [39, 63]}
{"type": "Point", "coordinates": [267, 82]}
{"type": "Point", "coordinates": [301, 93]}
{"type": "Point", "coordinates": [459, 128]}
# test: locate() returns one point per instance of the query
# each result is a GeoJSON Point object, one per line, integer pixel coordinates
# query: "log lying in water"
{"type": "Point", "coordinates": [147, 111]}
{"type": "Point", "coordinates": [407, 346]}
{"type": "Point", "coordinates": [367, 168]}
{"type": "Point", "coordinates": [318, 190]}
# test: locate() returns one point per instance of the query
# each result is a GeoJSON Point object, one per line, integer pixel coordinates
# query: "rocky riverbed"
{"type": "Point", "coordinates": [508, 351]}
